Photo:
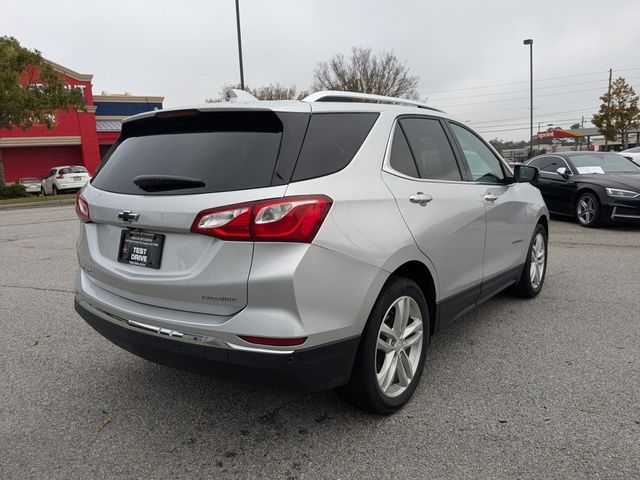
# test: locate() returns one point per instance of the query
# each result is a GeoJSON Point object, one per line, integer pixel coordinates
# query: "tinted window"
{"type": "Point", "coordinates": [331, 142]}
{"type": "Point", "coordinates": [553, 164]}
{"type": "Point", "coordinates": [483, 164]}
{"type": "Point", "coordinates": [227, 151]}
{"type": "Point", "coordinates": [431, 149]}
{"type": "Point", "coordinates": [64, 171]}
{"type": "Point", "coordinates": [537, 162]}
{"type": "Point", "coordinates": [401, 159]}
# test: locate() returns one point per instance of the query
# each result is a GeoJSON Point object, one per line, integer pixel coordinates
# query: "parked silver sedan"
{"type": "Point", "coordinates": [31, 184]}
{"type": "Point", "coordinates": [309, 244]}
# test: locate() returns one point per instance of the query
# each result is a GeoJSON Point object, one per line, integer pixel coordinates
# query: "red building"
{"type": "Point", "coordinates": [77, 137]}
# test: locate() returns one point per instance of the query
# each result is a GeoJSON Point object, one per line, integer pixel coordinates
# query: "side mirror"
{"type": "Point", "coordinates": [563, 172]}
{"type": "Point", "coordinates": [525, 173]}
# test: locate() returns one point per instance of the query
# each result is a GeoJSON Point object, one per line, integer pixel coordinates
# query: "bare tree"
{"type": "Point", "coordinates": [270, 92]}
{"type": "Point", "coordinates": [366, 72]}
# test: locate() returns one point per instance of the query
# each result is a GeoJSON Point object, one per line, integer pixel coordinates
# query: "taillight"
{"type": "Point", "coordinates": [82, 209]}
{"type": "Point", "coordinates": [60, 177]}
{"type": "Point", "coordinates": [288, 219]}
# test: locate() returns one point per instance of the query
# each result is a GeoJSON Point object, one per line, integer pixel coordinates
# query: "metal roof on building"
{"type": "Point", "coordinates": [108, 125]}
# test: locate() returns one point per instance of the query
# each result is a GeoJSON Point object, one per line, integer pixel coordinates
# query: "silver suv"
{"type": "Point", "coordinates": [309, 244]}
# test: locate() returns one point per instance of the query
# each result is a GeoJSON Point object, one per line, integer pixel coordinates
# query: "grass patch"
{"type": "Point", "coordinates": [14, 201]}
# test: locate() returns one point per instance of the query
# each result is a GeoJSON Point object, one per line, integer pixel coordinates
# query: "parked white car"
{"type": "Point", "coordinates": [65, 179]}
{"type": "Point", "coordinates": [632, 154]}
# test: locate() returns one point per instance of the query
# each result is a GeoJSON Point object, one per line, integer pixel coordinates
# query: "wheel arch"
{"type": "Point", "coordinates": [418, 272]}
{"type": "Point", "coordinates": [544, 221]}
{"type": "Point", "coordinates": [587, 188]}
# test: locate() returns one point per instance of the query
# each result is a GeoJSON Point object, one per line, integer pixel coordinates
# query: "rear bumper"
{"type": "Point", "coordinates": [311, 369]}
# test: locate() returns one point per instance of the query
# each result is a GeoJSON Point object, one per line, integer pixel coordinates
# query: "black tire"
{"type": "Point", "coordinates": [54, 190]}
{"type": "Point", "coordinates": [363, 389]}
{"type": "Point", "coordinates": [526, 287]}
{"type": "Point", "coordinates": [588, 220]}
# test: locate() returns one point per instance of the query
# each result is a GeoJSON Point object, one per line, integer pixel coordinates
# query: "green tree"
{"type": "Point", "coordinates": [30, 89]}
{"type": "Point", "coordinates": [366, 72]}
{"type": "Point", "coordinates": [270, 92]}
{"type": "Point", "coordinates": [618, 112]}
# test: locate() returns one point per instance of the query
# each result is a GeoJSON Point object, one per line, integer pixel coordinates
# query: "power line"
{"type": "Point", "coordinates": [539, 108]}
{"type": "Point", "coordinates": [526, 82]}
{"type": "Point", "coordinates": [517, 91]}
{"type": "Point", "coordinates": [505, 130]}
{"type": "Point", "coordinates": [524, 90]}
{"type": "Point", "coordinates": [556, 121]}
{"type": "Point", "coordinates": [518, 99]}
{"type": "Point", "coordinates": [516, 83]}
{"type": "Point", "coordinates": [582, 110]}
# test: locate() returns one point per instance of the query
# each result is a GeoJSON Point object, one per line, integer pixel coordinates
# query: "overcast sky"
{"type": "Point", "coordinates": [185, 50]}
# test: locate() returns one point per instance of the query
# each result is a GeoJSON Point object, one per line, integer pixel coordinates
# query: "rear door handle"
{"type": "Point", "coordinates": [490, 197]}
{"type": "Point", "coordinates": [421, 198]}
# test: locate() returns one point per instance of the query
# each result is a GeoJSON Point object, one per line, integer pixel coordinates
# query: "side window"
{"type": "Point", "coordinates": [483, 164]}
{"type": "Point", "coordinates": [431, 149]}
{"type": "Point", "coordinates": [401, 159]}
{"type": "Point", "coordinates": [331, 142]}
{"type": "Point", "coordinates": [554, 164]}
{"type": "Point", "coordinates": [537, 162]}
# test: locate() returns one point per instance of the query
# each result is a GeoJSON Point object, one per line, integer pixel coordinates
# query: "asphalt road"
{"type": "Point", "coordinates": [546, 388]}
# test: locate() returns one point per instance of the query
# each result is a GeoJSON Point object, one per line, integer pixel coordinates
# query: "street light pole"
{"type": "Point", "coordinates": [239, 45]}
{"type": "Point", "coordinates": [529, 42]}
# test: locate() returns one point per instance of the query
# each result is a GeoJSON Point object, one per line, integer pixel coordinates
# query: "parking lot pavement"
{"type": "Point", "coordinates": [545, 388]}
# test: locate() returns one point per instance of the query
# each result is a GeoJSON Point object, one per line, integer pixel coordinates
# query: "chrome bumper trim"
{"type": "Point", "coordinates": [182, 336]}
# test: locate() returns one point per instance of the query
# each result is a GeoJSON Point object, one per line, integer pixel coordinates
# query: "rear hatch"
{"type": "Point", "coordinates": [163, 171]}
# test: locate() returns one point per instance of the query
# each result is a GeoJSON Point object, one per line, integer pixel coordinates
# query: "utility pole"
{"type": "Point", "coordinates": [239, 45]}
{"type": "Point", "coordinates": [529, 42]}
{"type": "Point", "coordinates": [608, 109]}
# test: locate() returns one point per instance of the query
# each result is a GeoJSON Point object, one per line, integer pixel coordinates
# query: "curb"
{"type": "Point", "coordinates": [53, 203]}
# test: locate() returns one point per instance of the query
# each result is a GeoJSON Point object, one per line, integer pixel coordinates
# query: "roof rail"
{"type": "Point", "coordinates": [341, 96]}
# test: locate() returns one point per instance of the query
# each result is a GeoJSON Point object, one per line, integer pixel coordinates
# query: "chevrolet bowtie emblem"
{"type": "Point", "coordinates": [128, 216]}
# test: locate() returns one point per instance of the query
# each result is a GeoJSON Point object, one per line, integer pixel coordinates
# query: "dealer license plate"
{"type": "Point", "coordinates": [77, 179]}
{"type": "Point", "coordinates": [141, 248]}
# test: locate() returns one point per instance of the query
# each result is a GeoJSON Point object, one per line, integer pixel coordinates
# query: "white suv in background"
{"type": "Point", "coordinates": [65, 179]}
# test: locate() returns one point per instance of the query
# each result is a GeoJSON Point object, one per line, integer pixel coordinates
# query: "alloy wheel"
{"type": "Point", "coordinates": [586, 209]}
{"type": "Point", "coordinates": [399, 346]}
{"type": "Point", "coordinates": [538, 257]}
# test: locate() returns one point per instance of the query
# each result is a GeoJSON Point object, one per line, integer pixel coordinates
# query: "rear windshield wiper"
{"type": "Point", "coordinates": [158, 183]}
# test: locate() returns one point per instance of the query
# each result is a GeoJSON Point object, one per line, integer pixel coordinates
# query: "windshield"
{"type": "Point", "coordinates": [603, 163]}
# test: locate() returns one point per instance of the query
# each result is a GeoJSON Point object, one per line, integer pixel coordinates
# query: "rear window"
{"type": "Point", "coordinates": [224, 150]}
{"type": "Point", "coordinates": [64, 171]}
{"type": "Point", "coordinates": [331, 142]}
